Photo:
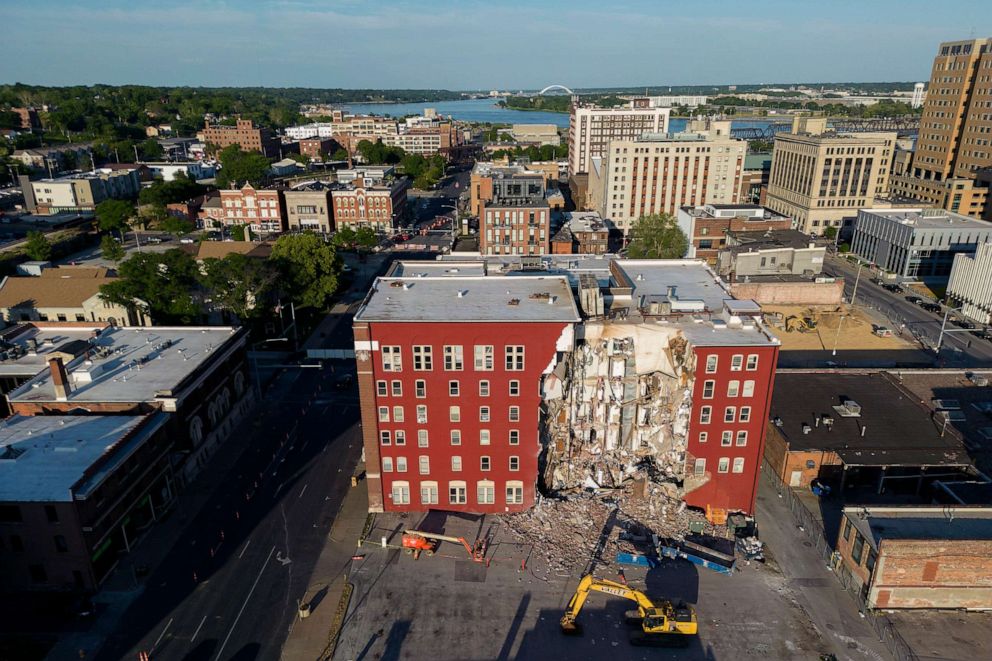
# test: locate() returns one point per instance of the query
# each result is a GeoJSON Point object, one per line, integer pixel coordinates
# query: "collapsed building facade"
{"type": "Point", "coordinates": [661, 383]}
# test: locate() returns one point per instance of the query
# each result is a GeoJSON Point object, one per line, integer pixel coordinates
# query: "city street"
{"type": "Point", "coordinates": [959, 349]}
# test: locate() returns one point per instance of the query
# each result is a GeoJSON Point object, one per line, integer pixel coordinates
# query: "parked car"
{"type": "Point", "coordinates": [915, 300]}
{"type": "Point", "coordinates": [888, 286]}
{"type": "Point", "coordinates": [930, 307]}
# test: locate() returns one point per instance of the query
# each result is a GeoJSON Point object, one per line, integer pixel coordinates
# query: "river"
{"type": "Point", "coordinates": [486, 110]}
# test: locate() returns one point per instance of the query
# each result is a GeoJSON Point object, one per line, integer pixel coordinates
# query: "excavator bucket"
{"type": "Point", "coordinates": [570, 627]}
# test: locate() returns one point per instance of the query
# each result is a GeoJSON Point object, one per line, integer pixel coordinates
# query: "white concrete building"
{"type": "Point", "coordinates": [194, 170]}
{"type": "Point", "coordinates": [970, 286]}
{"type": "Point", "coordinates": [918, 95]}
{"type": "Point", "coordinates": [591, 129]}
{"type": "Point", "coordinates": [674, 101]}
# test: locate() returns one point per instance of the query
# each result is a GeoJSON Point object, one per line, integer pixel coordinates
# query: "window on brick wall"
{"type": "Point", "coordinates": [736, 362]}
{"type": "Point", "coordinates": [453, 359]}
{"type": "Point", "coordinates": [483, 389]}
{"type": "Point", "coordinates": [733, 388]}
{"type": "Point", "coordinates": [397, 388]}
{"type": "Point", "coordinates": [514, 414]}
{"type": "Point", "coordinates": [705, 413]}
{"type": "Point", "coordinates": [422, 438]}
{"type": "Point", "coordinates": [380, 389]}
{"type": "Point", "coordinates": [724, 465]}
{"type": "Point", "coordinates": [752, 362]}
{"type": "Point", "coordinates": [711, 363]}
{"type": "Point", "coordinates": [745, 414]}
{"type": "Point", "coordinates": [484, 357]}
{"type": "Point", "coordinates": [453, 388]}
{"type": "Point", "coordinates": [423, 359]}
{"type": "Point", "coordinates": [420, 389]}
{"type": "Point", "coordinates": [391, 359]}
{"type": "Point", "coordinates": [421, 414]}
{"type": "Point", "coordinates": [514, 388]}
{"type": "Point", "coordinates": [741, 438]}
{"type": "Point", "coordinates": [738, 464]}
{"type": "Point", "coordinates": [748, 389]}
{"type": "Point", "coordinates": [514, 358]}
{"type": "Point", "coordinates": [456, 437]}
{"type": "Point", "coordinates": [454, 414]}
{"type": "Point", "coordinates": [514, 463]}
{"type": "Point", "coordinates": [383, 414]}
{"type": "Point", "coordinates": [708, 387]}
{"type": "Point", "coordinates": [514, 493]}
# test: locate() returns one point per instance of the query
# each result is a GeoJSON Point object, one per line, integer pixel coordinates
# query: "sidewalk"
{"type": "Point", "coordinates": [309, 638]}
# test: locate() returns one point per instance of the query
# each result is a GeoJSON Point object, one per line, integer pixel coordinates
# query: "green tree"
{"type": "Point", "coordinates": [163, 192]}
{"type": "Point", "coordinates": [110, 249]}
{"type": "Point", "coordinates": [240, 167]}
{"type": "Point", "coordinates": [114, 216]}
{"type": "Point", "coordinates": [38, 247]}
{"type": "Point", "coordinates": [341, 154]}
{"type": "Point", "coordinates": [238, 232]}
{"type": "Point", "coordinates": [344, 238]}
{"type": "Point", "coordinates": [239, 284]}
{"type": "Point", "coordinates": [657, 236]}
{"type": "Point", "coordinates": [830, 232]}
{"type": "Point", "coordinates": [309, 269]}
{"type": "Point", "coordinates": [176, 225]}
{"type": "Point", "coordinates": [151, 150]}
{"type": "Point", "coordinates": [366, 238]}
{"type": "Point", "coordinates": [164, 285]}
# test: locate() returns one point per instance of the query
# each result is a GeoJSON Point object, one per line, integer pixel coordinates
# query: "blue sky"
{"type": "Point", "coordinates": [469, 44]}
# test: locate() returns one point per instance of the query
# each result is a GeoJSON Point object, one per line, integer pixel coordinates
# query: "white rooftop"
{"type": "Point", "coordinates": [137, 365]}
{"type": "Point", "coordinates": [48, 457]}
{"type": "Point", "coordinates": [17, 359]}
{"type": "Point", "coordinates": [929, 218]}
{"type": "Point", "coordinates": [470, 298]}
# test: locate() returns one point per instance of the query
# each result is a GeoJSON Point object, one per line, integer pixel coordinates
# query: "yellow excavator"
{"type": "Point", "coordinates": [662, 624]}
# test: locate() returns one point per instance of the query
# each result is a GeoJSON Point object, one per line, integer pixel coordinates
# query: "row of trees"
{"type": "Point", "coordinates": [425, 172]}
{"type": "Point", "coordinates": [173, 288]}
{"type": "Point", "coordinates": [534, 153]}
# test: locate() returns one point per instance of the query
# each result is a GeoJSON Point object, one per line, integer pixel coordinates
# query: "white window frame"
{"type": "Point", "coordinates": [398, 414]}
{"type": "Point", "coordinates": [752, 362]}
{"type": "Point", "coordinates": [514, 437]}
{"type": "Point", "coordinates": [514, 388]}
{"type": "Point", "coordinates": [484, 357]}
{"type": "Point", "coordinates": [428, 493]}
{"type": "Point", "coordinates": [454, 360]}
{"type": "Point", "coordinates": [397, 388]}
{"type": "Point", "coordinates": [738, 465]}
{"type": "Point", "coordinates": [456, 436]}
{"type": "Point", "coordinates": [456, 463]}
{"type": "Point", "coordinates": [392, 359]}
{"type": "Point", "coordinates": [733, 388]}
{"type": "Point", "coordinates": [730, 414]}
{"type": "Point", "coordinates": [420, 389]}
{"type": "Point", "coordinates": [381, 389]}
{"type": "Point", "coordinates": [483, 388]}
{"type": "Point", "coordinates": [454, 388]}
{"type": "Point", "coordinates": [399, 437]}
{"type": "Point", "coordinates": [741, 439]}
{"type": "Point", "coordinates": [484, 437]}
{"type": "Point", "coordinates": [726, 438]}
{"type": "Point", "coordinates": [514, 492]}
{"type": "Point", "coordinates": [424, 464]}
{"type": "Point", "coordinates": [485, 492]}
{"type": "Point", "coordinates": [423, 438]}
{"type": "Point", "coordinates": [513, 357]}
{"type": "Point", "coordinates": [744, 414]}
{"type": "Point", "coordinates": [712, 362]}
{"type": "Point", "coordinates": [737, 362]}
{"type": "Point", "coordinates": [513, 462]}
{"type": "Point", "coordinates": [454, 414]}
{"type": "Point", "coordinates": [387, 464]}
{"type": "Point", "coordinates": [699, 467]}
{"type": "Point", "coordinates": [400, 492]}
{"type": "Point", "coordinates": [709, 387]}
{"type": "Point", "coordinates": [485, 463]}
{"type": "Point", "coordinates": [459, 487]}
{"type": "Point", "coordinates": [423, 358]}
{"type": "Point", "coordinates": [385, 437]}
{"type": "Point", "coordinates": [514, 414]}
{"type": "Point", "coordinates": [724, 465]}
{"type": "Point", "coordinates": [383, 414]}
{"type": "Point", "coordinates": [703, 436]}
{"type": "Point", "coordinates": [705, 415]}
{"type": "Point", "coordinates": [421, 414]}
{"type": "Point", "coordinates": [484, 414]}
{"type": "Point", "coordinates": [400, 464]}
{"type": "Point", "coordinates": [748, 390]}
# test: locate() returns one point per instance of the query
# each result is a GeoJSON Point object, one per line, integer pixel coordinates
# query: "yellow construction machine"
{"type": "Point", "coordinates": [663, 624]}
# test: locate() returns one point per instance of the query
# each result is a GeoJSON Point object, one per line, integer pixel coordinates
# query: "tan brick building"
{"type": "Point", "coordinates": [954, 140]}
{"type": "Point", "coordinates": [819, 178]}
{"type": "Point", "coordinates": [244, 134]}
{"type": "Point", "coordinates": [660, 172]}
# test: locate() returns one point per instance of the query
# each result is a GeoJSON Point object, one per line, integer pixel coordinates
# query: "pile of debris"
{"type": "Point", "coordinates": [570, 532]}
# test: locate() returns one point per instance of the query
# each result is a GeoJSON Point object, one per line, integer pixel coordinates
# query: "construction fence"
{"type": "Point", "coordinates": [812, 526]}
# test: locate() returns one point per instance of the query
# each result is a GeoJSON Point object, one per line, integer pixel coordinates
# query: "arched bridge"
{"type": "Point", "coordinates": [555, 87]}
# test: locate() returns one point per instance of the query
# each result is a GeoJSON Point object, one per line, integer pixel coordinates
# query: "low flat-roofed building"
{"type": "Point", "coordinates": [861, 429]}
{"type": "Point", "coordinates": [75, 492]}
{"type": "Point", "coordinates": [917, 244]}
{"type": "Point", "coordinates": [706, 226]}
{"type": "Point", "coordinates": [931, 557]}
{"type": "Point", "coordinates": [772, 252]}
{"type": "Point", "coordinates": [67, 293]}
{"type": "Point", "coordinates": [308, 207]}
{"type": "Point", "coordinates": [197, 374]}
{"type": "Point", "coordinates": [540, 134]}
{"type": "Point", "coordinates": [582, 233]}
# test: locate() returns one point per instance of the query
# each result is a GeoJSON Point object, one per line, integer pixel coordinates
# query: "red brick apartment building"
{"type": "Point", "coordinates": [363, 203]}
{"type": "Point", "coordinates": [707, 226]}
{"type": "Point", "coordinates": [262, 209]}
{"type": "Point", "coordinates": [471, 394]}
{"type": "Point", "coordinates": [244, 134]}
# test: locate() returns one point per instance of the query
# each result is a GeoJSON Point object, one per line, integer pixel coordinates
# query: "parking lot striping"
{"type": "Point", "coordinates": [244, 549]}
{"type": "Point", "coordinates": [244, 605]}
{"type": "Point", "coordinates": [161, 635]}
{"type": "Point", "coordinates": [302, 490]}
{"type": "Point", "coordinates": [195, 633]}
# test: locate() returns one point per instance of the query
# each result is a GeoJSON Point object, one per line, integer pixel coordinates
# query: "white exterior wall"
{"type": "Point", "coordinates": [589, 126]}
{"type": "Point", "coordinates": [971, 284]}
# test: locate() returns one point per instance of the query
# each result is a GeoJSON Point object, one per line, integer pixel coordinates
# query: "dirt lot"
{"type": "Point", "coordinates": [855, 330]}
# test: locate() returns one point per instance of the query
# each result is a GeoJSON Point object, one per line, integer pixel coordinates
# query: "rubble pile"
{"type": "Point", "coordinates": [570, 531]}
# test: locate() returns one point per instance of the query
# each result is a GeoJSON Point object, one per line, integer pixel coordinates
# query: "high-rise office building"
{"type": "Point", "coordinates": [955, 138]}
{"type": "Point", "coordinates": [591, 129]}
{"type": "Point", "coordinates": [820, 177]}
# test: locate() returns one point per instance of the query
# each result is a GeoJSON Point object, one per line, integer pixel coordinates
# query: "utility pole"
{"type": "Point", "coordinates": [135, 153]}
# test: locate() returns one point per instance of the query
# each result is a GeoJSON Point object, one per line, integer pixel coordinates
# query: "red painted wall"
{"type": "Point", "coordinates": [539, 340]}
{"type": "Point", "coordinates": [730, 491]}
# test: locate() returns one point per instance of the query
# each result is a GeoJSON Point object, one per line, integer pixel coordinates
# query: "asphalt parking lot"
{"type": "Point", "coordinates": [448, 607]}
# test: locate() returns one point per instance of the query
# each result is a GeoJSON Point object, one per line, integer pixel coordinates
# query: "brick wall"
{"type": "Point", "coordinates": [790, 293]}
{"type": "Point", "coordinates": [366, 394]}
{"type": "Point", "coordinates": [932, 574]}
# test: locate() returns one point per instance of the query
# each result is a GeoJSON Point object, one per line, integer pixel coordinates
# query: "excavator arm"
{"type": "Point", "coordinates": [587, 584]}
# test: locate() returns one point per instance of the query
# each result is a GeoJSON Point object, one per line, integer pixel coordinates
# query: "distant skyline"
{"type": "Point", "coordinates": [470, 44]}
